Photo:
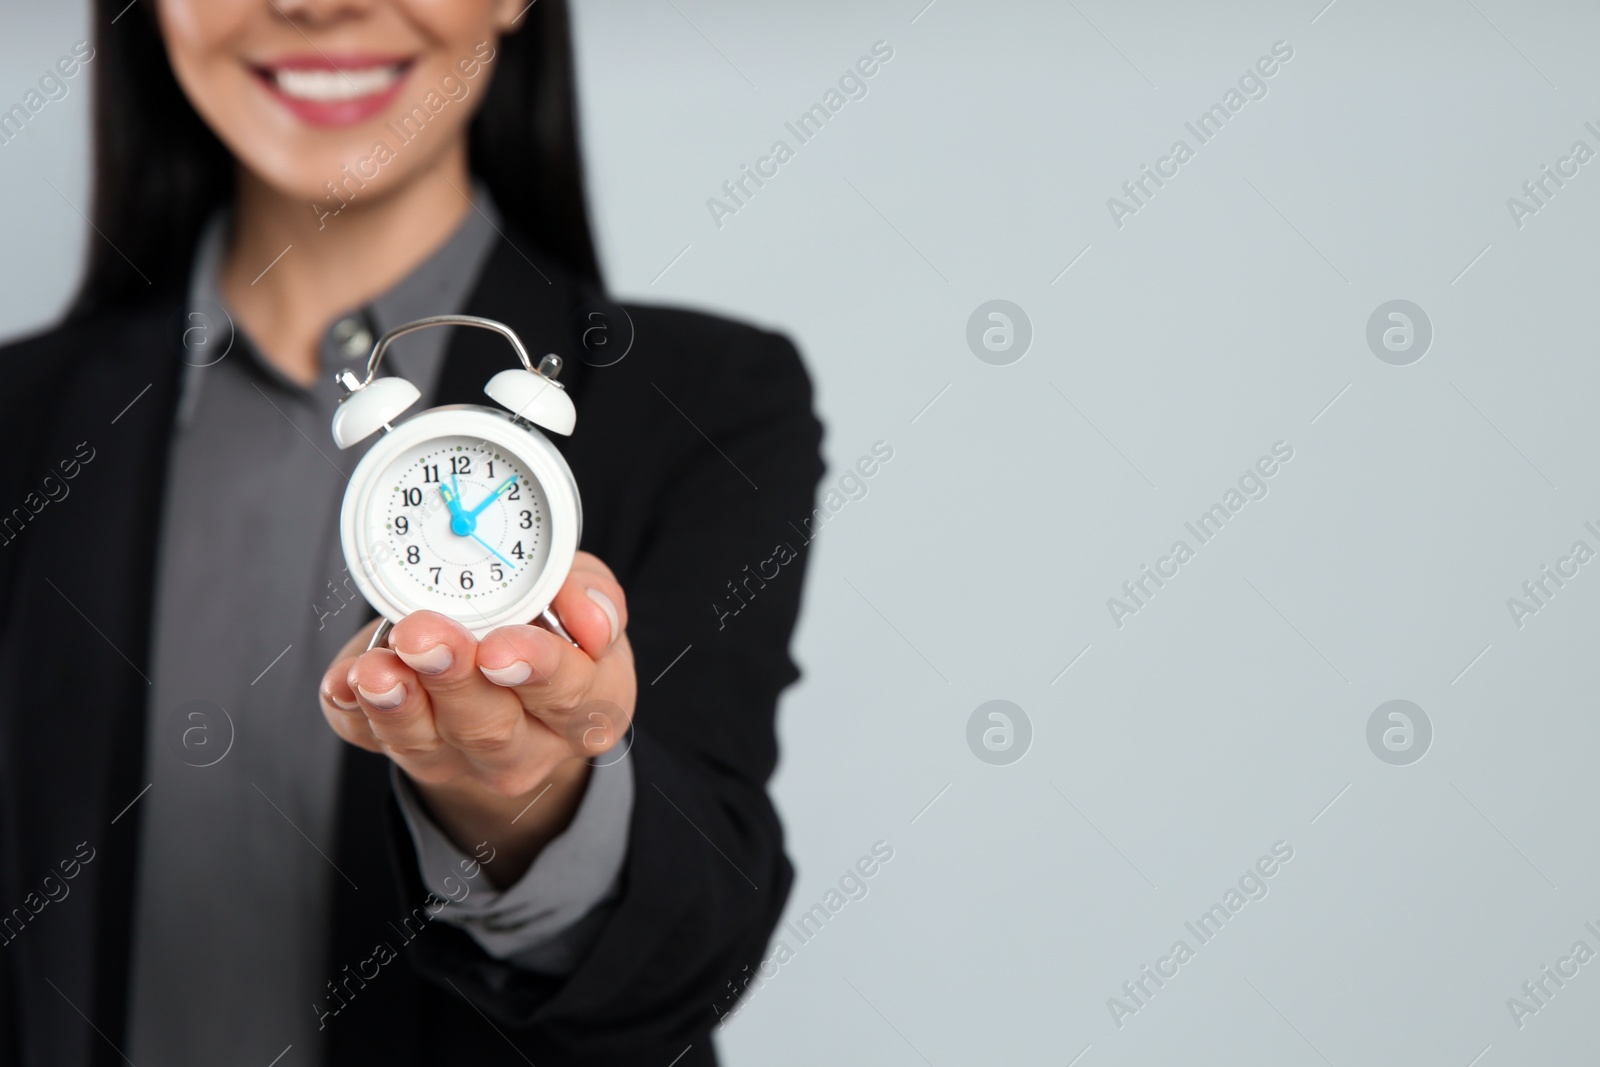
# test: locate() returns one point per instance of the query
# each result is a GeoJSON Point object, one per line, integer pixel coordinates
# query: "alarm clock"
{"type": "Point", "coordinates": [462, 509]}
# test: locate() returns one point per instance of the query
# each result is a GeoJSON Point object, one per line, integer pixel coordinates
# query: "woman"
{"type": "Point", "coordinates": [228, 832]}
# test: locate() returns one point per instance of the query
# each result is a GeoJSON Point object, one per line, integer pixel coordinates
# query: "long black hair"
{"type": "Point", "coordinates": [159, 171]}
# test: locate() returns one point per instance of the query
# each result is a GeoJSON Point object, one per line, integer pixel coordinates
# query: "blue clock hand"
{"type": "Point", "coordinates": [452, 496]}
{"type": "Point", "coordinates": [461, 524]}
{"type": "Point", "coordinates": [491, 548]}
{"type": "Point", "coordinates": [492, 497]}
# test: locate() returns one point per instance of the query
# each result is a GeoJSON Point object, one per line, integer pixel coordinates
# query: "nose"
{"type": "Point", "coordinates": [322, 12]}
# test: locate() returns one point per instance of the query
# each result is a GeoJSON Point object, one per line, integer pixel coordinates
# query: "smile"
{"type": "Point", "coordinates": [333, 85]}
{"type": "Point", "coordinates": [334, 90]}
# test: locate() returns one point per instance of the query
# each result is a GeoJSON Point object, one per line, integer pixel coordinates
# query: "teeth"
{"type": "Point", "coordinates": [331, 85]}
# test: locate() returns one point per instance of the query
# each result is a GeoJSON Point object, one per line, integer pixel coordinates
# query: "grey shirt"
{"type": "Point", "coordinates": [235, 880]}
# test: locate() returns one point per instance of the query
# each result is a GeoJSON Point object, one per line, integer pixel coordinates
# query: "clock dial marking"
{"type": "Point", "coordinates": [439, 554]}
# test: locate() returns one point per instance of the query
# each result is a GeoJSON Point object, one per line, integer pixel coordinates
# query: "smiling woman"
{"type": "Point", "coordinates": [623, 892]}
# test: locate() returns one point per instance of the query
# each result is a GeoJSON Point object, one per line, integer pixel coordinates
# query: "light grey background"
{"type": "Point", "coordinates": [1231, 712]}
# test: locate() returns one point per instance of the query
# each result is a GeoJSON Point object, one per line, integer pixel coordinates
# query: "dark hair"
{"type": "Point", "coordinates": [159, 171]}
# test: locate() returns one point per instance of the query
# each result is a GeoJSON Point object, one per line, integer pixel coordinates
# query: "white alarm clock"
{"type": "Point", "coordinates": [462, 509]}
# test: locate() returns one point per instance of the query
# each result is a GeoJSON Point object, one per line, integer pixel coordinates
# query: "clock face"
{"type": "Point", "coordinates": [458, 525]}
{"type": "Point", "coordinates": [462, 510]}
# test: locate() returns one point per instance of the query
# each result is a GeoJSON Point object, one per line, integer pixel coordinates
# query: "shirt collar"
{"type": "Point", "coordinates": [439, 285]}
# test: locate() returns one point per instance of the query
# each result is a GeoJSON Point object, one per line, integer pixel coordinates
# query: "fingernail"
{"type": "Point", "coordinates": [435, 660]}
{"type": "Point", "coordinates": [515, 674]}
{"type": "Point", "coordinates": [340, 704]}
{"type": "Point", "coordinates": [611, 612]}
{"type": "Point", "coordinates": [389, 698]}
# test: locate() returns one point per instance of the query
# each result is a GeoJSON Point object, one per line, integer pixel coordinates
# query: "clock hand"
{"type": "Point", "coordinates": [491, 548]}
{"type": "Point", "coordinates": [461, 524]}
{"type": "Point", "coordinates": [492, 497]}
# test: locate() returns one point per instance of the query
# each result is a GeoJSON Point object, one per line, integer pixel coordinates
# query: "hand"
{"type": "Point", "coordinates": [465, 523]}
{"type": "Point", "coordinates": [498, 554]}
{"type": "Point", "coordinates": [452, 498]}
{"type": "Point", "coordinates": [492, 497]}
{"type": "Point", "coordinates": [495, 735]}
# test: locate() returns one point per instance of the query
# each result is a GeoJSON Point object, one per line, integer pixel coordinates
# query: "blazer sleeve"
{"type": "Point", "coordinates": [713, 593]}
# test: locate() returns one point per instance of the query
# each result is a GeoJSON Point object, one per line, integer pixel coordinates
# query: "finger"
{"type": "Point", "coordinates": [336, 688]}
{"type": "Point", "coordinates": [341, 709]}
{"type": "Point", "coordinates": [548, 676]}
{"type": "Point", "coordinates": [396, 707]}
{"type": "Point", "coordinates": [591, 605]}
{"type": "Point", "coordinates": [470, 713]}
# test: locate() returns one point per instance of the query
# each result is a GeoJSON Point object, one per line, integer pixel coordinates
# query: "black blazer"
{"type": "Point", "coordinates": [705, 878]}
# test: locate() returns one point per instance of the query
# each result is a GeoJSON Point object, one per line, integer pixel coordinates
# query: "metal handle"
{"type": "Point", "coordinates": [500, 328]}
{"type": "Point", "coordinates": [380, 636]}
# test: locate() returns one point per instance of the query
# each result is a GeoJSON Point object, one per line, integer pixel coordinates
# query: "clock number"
{"type": "Point", "coordinates": [402, 525]}
{"type": "Point", "coordinates": [430, 472]}
{"type": "Point", "coordinates": [413, 554]}
{"type": "Point", "coordinates": [491, 469]}
{"type": "Point", "coordinates": [516, 550]}
{"type": "Point", "coordinates": [495, 572]}
{"type": "Point", "coordinates": [466, 579]}
{"type": "Point", "coordinates": [516, 491]}
{"type": "Point", "coordinates": [527, 520]}
{"type": "Point", "coordinates": [460, 464]}
{"type": "Point", "coordinates": [411, 498]}
{"type": "Point", "coordinates": [436, 571]}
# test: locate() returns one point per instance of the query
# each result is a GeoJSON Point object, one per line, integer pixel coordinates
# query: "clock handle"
{"type": "Point", "coordinates": [500, 328]}
{"type": "Point", "coordinates": [548, 617]}
{"type": "Point", "coordinates": [380, 636]}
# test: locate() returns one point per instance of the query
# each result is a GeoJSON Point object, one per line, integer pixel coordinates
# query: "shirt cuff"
{"type": "Point", "coordinates": [545, 921]}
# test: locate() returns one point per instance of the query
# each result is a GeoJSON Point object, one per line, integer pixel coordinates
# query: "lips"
{"type": "Point", "coordinates": [334, 90]}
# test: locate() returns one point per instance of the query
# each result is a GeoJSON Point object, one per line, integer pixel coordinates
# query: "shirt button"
{"type": "Point", "coordinates": [352, 338]}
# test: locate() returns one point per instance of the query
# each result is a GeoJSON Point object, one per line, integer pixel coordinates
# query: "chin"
{"type": "Point", "coordinates": [330, 178]}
